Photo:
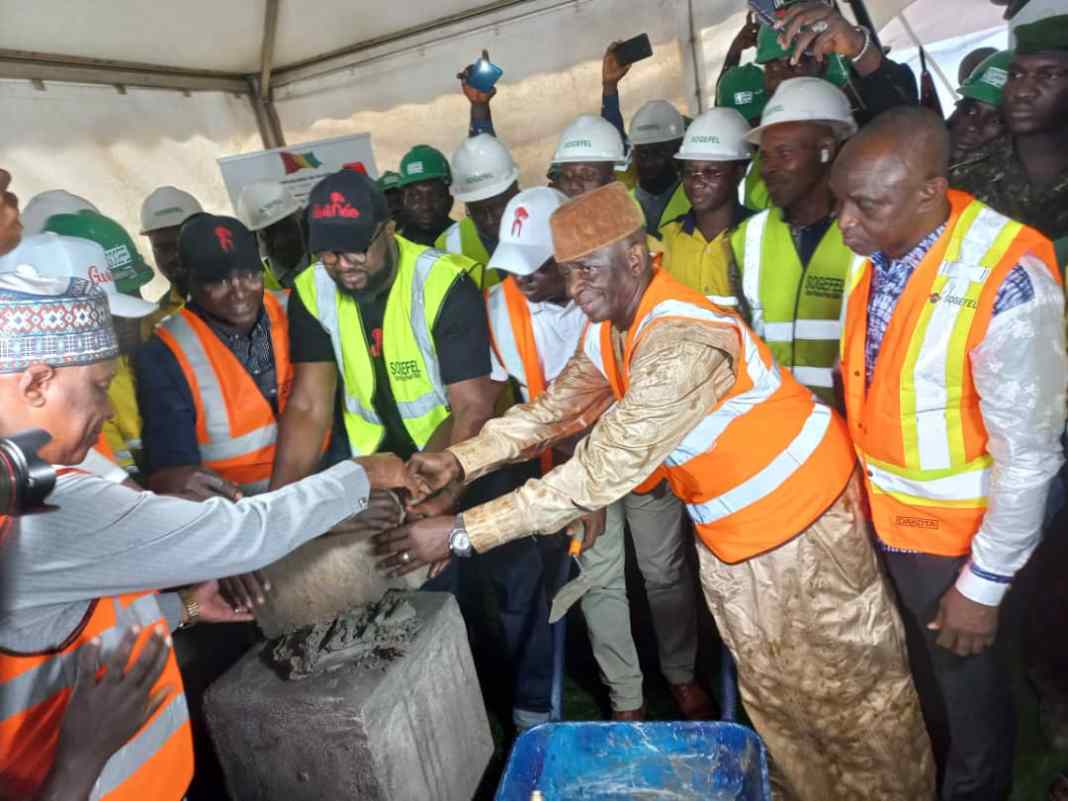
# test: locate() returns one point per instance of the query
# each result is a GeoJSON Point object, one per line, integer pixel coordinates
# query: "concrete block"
{"type": "Point", "coordinates": [323, 578]}
{"type": "Point", "coordinates": [414, 731]}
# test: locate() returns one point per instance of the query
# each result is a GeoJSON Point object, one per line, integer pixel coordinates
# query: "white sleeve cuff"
{"type": "Point", "coordinates": [982, 587]}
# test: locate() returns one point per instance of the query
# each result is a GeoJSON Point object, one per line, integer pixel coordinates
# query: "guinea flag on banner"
{"type": "Point", "coordinates": [294, 162]}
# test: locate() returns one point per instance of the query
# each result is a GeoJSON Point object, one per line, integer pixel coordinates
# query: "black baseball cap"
{"type": "Point", "coordinates": [344, 211]}
{"type": "Point", "coordinates": [211, 247]}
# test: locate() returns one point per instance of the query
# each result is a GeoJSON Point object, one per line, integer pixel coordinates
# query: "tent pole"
{"type": "Point", "coordinates": [697, 81]}
{"type": "Point", "coordinates": [270, 28]}
{"type": "Point", "coordinates": [266, 117]}
{"type": "Point", "coordinates": [919, 46]}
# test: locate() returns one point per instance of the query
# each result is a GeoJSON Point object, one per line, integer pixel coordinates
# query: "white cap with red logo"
{"type": "Point", "coordinates": [526, 242]}
{"type": "Point", "coordinates": [58, 256]}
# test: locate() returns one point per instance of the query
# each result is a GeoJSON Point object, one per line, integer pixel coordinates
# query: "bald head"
{"type": "Point", "coordinates": [913, 134]}
{"type": "Point", "coordinates": [890, 181]}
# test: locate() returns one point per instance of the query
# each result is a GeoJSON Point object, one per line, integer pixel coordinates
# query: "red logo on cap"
{"type": "Point", "coordinates": [100, 276]}
{"type": "Point", "coordinates": [338, 206]}
{"type": "Point", "coordinates": [517, 223]}
{"type": "Point", "coordinates": [225, 237]}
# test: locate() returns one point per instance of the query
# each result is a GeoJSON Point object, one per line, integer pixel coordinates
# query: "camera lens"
{"type": "Point", "coordinates": [25, 480]}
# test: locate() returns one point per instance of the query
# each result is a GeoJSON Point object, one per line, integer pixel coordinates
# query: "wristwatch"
{"type": "Point", "coordinates": [459, 542]}
{"type": "Point", "coordinates": [190, 608]}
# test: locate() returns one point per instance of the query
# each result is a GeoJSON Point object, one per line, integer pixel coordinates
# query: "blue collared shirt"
{"type": "Point", "coordinates": [888, 281]}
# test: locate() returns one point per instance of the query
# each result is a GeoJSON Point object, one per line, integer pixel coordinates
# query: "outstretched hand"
{"type": "Point", "coordinates": [819, 29]}
{"type": "Point", "coordinates": [415, 545]}
{"type": "Point", "coordinates": [476, 96]}
{"type": "Point", "coordinates": [388, 471]}
{"type": "Point", "coordinates": [432, 472]}
{"type": "Point", "coordinates": [612, 72]}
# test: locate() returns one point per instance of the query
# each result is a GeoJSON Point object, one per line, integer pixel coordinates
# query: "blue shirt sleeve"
{"type": "Point", "coordinates": [168, 415]}
{"type": "Point", "coordinates": [610, 111]}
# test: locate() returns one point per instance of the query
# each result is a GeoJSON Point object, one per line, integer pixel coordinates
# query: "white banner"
{"type": "Point", "coordinates": [299, 167]}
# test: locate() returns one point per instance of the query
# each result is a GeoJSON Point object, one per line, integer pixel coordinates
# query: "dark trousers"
{"type": "Point", "coordinates": [967, 701]}
{"type": "Point", "coordinates": [515, 573]}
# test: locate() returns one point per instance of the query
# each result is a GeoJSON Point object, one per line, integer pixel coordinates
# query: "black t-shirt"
{"type": "Point", "coordinates": [461, 339]}
{"type": "Point", "coordinates": [425, 236]}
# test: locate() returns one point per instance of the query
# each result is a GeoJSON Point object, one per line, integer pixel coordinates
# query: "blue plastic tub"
{"type": "Point", "coordinates": [678, 761]}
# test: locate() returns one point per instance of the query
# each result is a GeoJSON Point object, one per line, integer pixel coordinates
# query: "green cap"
{"type": "Point", "coordinates": [422, 163]}
{"type": "Point", "coordinates": [125, 262]}
{"type": "Point", "coordinates": [389, 180]}
{"type": "Point", "coordinates": [988, 79]}
{"type": "Point", "coordinates": [837, 70]}
{"type": "Point", "coordinates": [742, 88]}
{"type": "Point", "coordinates": [1050, 33]}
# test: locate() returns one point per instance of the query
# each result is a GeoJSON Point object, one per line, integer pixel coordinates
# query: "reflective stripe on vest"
{"type": "Point", "coordinates": [424, 276]}
{"type": "Point", "coordinates": [796, 308]}
{"type": "Point", "coordinates": [515, 344]}
{"type": "Point", "coordinates": [763, 464]}
{"type": "Point", "coordinates": [35, 690]}
{"type": "Point", "coordinates": [227, 400]}
{"type": "Point", "coordinates": [462, 239]}
{"type": "Point", "coordinates": [919, 427]}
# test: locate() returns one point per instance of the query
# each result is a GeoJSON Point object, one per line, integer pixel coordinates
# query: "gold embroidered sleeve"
{"type": "Point", "coordinates": [569, 405]}
{"type": "Point", "coordinates": [679, 374]}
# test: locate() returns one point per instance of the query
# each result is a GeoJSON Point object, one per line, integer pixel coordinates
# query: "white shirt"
{"type": "Point", "coordinates": [557, 330]}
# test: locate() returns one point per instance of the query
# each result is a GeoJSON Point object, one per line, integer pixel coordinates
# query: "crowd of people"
{"type": "Point", "coordinates": [807, 349]}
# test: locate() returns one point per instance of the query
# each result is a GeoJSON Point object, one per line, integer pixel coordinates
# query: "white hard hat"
{"type": "Point", "coordinates": [717, 135]}
{"type": "Point", "coordinates": [167, 207]}
{"type": "Point", "coordinates": [526, 242]}
{"type": "Point", "coordinates": [589, 139]}
{"type": "Point", "coordinates": [47, 204]}
{"type": "Point", "coordinates": [656, 121]}
{"type": "Point", "coordinates": [55, 256]}
{"type": "Point", "coordinates": [481, 168]}
{"type": "Point", "coordinates": [807, 100]}
{"type": "Point", "coordinates": [263, 203]}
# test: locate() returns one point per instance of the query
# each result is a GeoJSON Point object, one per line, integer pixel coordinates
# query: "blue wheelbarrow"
{"type": "Point", "coordinates": [677, 760]}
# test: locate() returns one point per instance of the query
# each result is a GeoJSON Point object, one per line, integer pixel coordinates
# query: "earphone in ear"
{"type": "Point", "coordinates": [825, 156]}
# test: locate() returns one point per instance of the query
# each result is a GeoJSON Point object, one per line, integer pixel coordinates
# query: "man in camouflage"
{"type": "Point", "coordinates": [1024, 173]}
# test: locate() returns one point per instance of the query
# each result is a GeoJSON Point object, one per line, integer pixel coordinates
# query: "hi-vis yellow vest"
{"type": "Point", "coordinates": [462, 239]}
{"type": "Point", "coordinates": [756, 191]}
{"type": "Point", "coordinates": [676, 207]}
{"type": "Point", "coordinates": [424, 276]}
{"type": "Point", "coordinates": [795, 309]}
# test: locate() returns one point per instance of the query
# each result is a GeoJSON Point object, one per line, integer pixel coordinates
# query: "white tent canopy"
{"type": "Point", "coordinates": [93, 92]}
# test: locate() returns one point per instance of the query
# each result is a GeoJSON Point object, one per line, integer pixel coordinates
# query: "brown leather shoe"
{"type": "Point", "coordinates": [631, 715]}
{"type": "Point", "coordinates": [693, 702]}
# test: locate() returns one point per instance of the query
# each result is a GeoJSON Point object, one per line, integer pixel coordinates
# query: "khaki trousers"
{"type": "Point", "coordinates": [660, 540]}
{"type": "Point", "coordinates": [822, 663]}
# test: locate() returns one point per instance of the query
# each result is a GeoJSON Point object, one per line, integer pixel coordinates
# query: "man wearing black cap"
{"type": "Point", "coordinates": [1024, 173]}
{"type": "Point", "coordinates": [405, 329]}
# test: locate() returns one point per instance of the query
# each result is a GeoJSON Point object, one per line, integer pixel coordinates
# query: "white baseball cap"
{"type": "Point", "coordinates": [263, 203]}
{"type": "Point", "coordinates": [526, 241]}
{"type": "Point", "coordinates": [44, 205]}
{"type": "Point", "coordinates": [167, 207]}
{"type": "Point", "coordinates": [54, 256]}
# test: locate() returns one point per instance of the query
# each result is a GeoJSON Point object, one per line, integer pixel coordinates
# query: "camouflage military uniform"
{"type": "Point", "coordinates": [995, 175]}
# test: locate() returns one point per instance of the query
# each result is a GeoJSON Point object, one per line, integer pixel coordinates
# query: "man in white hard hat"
{"type": "Point", "coordinates": [484, 178]}
{"type": "Point", "coordinates": [587, 154]}
{"type": "Point", "coordinates": [655, 135]}
{"type": "Point", "coordinates": [714, 158]}
{"type": "Point", "coordinates": [162, 215]}
{"type": "Point", "coordinates": [47, 204]}
{"type": "Point", "coordinates": [534, 330]}
{"type": "Point", "coordinates": [791, 256]}
{"type": "Point", "coordinates": [269, 209]}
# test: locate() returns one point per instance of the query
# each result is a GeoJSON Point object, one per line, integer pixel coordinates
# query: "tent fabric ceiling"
{"type": "Point", "coordinates": [227, 37]}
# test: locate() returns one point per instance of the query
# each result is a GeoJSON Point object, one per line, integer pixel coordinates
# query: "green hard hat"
{"type": "Point", "coordinates": [389, 180]}
{"type": "Point", "coordinates": [422, 163]}
{"type": "Point", "coordinates": [742, 88]}
{"type": "Point", "coordinates": [124, 260]}
{"type": "Point", "coordinates": [987, 80]}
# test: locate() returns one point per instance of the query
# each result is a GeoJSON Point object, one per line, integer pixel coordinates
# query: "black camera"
{"type": "Point", "coordinates": [25, 479]}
